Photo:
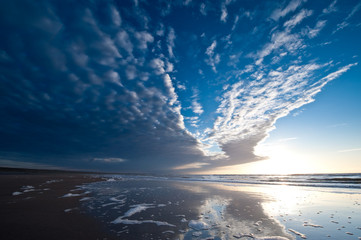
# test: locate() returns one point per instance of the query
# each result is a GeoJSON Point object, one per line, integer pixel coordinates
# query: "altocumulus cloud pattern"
{"type": "Point", "coordinates": [160, 85]}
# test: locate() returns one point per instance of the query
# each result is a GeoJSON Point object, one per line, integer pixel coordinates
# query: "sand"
{"type": "Point", "coordinates": [40, 206]}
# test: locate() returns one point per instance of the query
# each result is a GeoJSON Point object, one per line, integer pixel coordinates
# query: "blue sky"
{"type": "Point", "coordinates": [196, 86]}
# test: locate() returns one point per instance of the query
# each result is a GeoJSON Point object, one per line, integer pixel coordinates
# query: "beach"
{"type": "Point", "coordinates": [32, 206]}
{"type": "Point", "coordinates": [80, 206]}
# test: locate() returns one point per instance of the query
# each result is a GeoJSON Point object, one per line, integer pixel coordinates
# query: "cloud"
{"type": "Point", "coordinates": [92, 88]}
{"type": "Point", "coordinates": [316, 30]}
{"type": "Point", "coordinates": [115, 16]}
{"type": "Point", "coordinates": [345, 22]}
{"type": "Point", "coordinates": [350, 150]}
{"type": "Point", "coordinates": [224, 13]}
{"type": "Point", "coordinates": [197, 107]}
{"type": "Point", "coordinates": [248, 112]}
{"type": "Point", "coordinates": [297, 18]}
{"type": "Point", "coordinates": [213, 58]}
{"type": "Point", "coordinates": [110, 160]}
{"type": "Point", "coordinates": [202, 9]}
{"type": "Point", "coordinates": [170, 41]}
{"type": "Point", "coordinates": [331, 8]}
{"type": "Point", "coordinates": [143, 39]}
{"type": "Point", "coordinates": [282, 12]}
{"type": "Point", "coordinates": [291, 42]}
{"type": "Point", "coordinates": [89, 94]}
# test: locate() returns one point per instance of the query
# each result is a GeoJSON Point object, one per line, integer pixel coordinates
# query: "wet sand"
{"type": "Point", "coordinates": [80, 206]}
{"type": "Point", "coordinates": [32, 207]}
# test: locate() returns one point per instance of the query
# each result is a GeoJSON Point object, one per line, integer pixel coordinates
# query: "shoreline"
{"type": "Point", "coordinates": [33, 207]}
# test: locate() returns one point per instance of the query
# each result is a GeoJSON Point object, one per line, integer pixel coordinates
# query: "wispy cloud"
{"type": "Point", "coordinates": [109, 160]}
{"type": "Point", "coordinates": [213, 58]}
{"type": "Point", "coordinates": [297, 18]}
{"type": "Point", "coordinates": [350, 150]}
{"type": "Point", "coordinates": [313, 32]}
{"type": "Point", "coordinates": [346, 22]}
{"type": "Point", "coordinates": [331, 8]}
{"type": "Point", "coordinates": [248, 111]}
{"type": "Point", "coordinates": [281, 12]}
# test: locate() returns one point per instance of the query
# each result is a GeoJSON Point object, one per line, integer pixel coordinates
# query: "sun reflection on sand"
{"type": "Point", "coordinates": [283, 199]}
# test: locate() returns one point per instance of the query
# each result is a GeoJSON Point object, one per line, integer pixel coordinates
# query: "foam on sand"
{"type": "Point", "coordinates": [298, 233]}
{"type": "Point", "coordinates": [272, 238]}
{"type": "Point", "coordinates": [198, 225]}
{"type": "Point", "coordinates": [136, 209]}
{"type": "Point", "coordinates": [127, 221]}
{"type": "Point", "coordinates": [71, 195]}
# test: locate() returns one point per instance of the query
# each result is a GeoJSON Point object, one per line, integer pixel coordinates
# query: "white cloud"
{"type": "Point", "coordinates": [297, 18]}
{"type": "Point", "coordinates": [115, 16]}
{"type": "Point", "coordinates": [213, 59]}
{"type": "Point", "coordinates": [170, 88]}
{"type": "Point", "coordinates": [143, 39]}
{"type": "Point", "coordinates": [236, 19]}
{"type": "Point", "coordinates": [202, 9]}
{"type": "Point", "coordinates": [331, 8]}
{"type": "Point", "coordinates": [292, 42]}
{"type": "Point", "coordinates": [337, 73]}
{"type": "Point", "coordinates": [158, 65]}
{"type": "Point", "coordinates": [350, 150]}
{"type": "Point", "coordinates": [224, 13]}
{"type": "Point", "coordinates": [249, 110]}
{"type": "Point", "coordinates": [345, 23]}
{"type": "Point", "coordinates": [197, 107]}
{"type": "Point", "coordinates": [131, 72]}
{"type": "Point", "coordinates": [123, 40]}
{"type": "Point", "coordinates": [109, 160]}
{"type": "Point", "coordinates": [170, 40]}
{"type": "Point", "coordinates": [279, 12]}
{"type": "Point", "coordinates": [313, 32]}
{"type": "Point", "coordinates": [187, 2]}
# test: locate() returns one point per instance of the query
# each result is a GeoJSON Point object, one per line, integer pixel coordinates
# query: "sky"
{"type": "Point", "coordinates": [181, 86]}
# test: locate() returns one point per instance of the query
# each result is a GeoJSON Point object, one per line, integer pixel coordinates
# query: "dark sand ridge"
{"type": "Point", "coordinates": [38, 212]}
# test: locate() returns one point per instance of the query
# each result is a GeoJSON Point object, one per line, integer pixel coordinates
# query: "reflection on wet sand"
{"type": "Point", "coordinates": [182, 210]}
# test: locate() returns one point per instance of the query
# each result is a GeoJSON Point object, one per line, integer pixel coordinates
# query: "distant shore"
{"type": "Point", "coordinates": [32, 206]}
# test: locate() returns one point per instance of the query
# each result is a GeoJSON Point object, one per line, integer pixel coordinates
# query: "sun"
{"type": "Point", "coordinates": [281, 159]}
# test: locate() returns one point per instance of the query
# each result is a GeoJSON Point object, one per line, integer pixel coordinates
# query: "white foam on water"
{"type": "Point", "coordinates": [108, 204]}
{"type": "Point", "coordinates": [198, 225]}
{"type": "Point", "coordinates": [29, 190]}
{"type": "Point", "coordinates": [137, 208]}
{"type": "Point", "coordinates": [306, 224]}
{"type": "Point", "coordinates": [115, 199]}
{"type": "Point", "coordinates": [85, 199]}
{"type": "Point", "coordinates": [53, 181]}
{"type": "Point", "coordinates": [71, 195]}
{"type": "Point", "coordinates": [17, 193]}
{"type": "Point", "coordinates": [272, 238]}
{"type": "Point", "coordinates": [196, 234]}
{"type": "Point", "coordinates": [127, 221]}
{"type": "Point", "coordinates": [297, 233]}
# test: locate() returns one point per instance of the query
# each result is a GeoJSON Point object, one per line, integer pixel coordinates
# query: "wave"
{"type": "Point", "coordinates": [306, 180]}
